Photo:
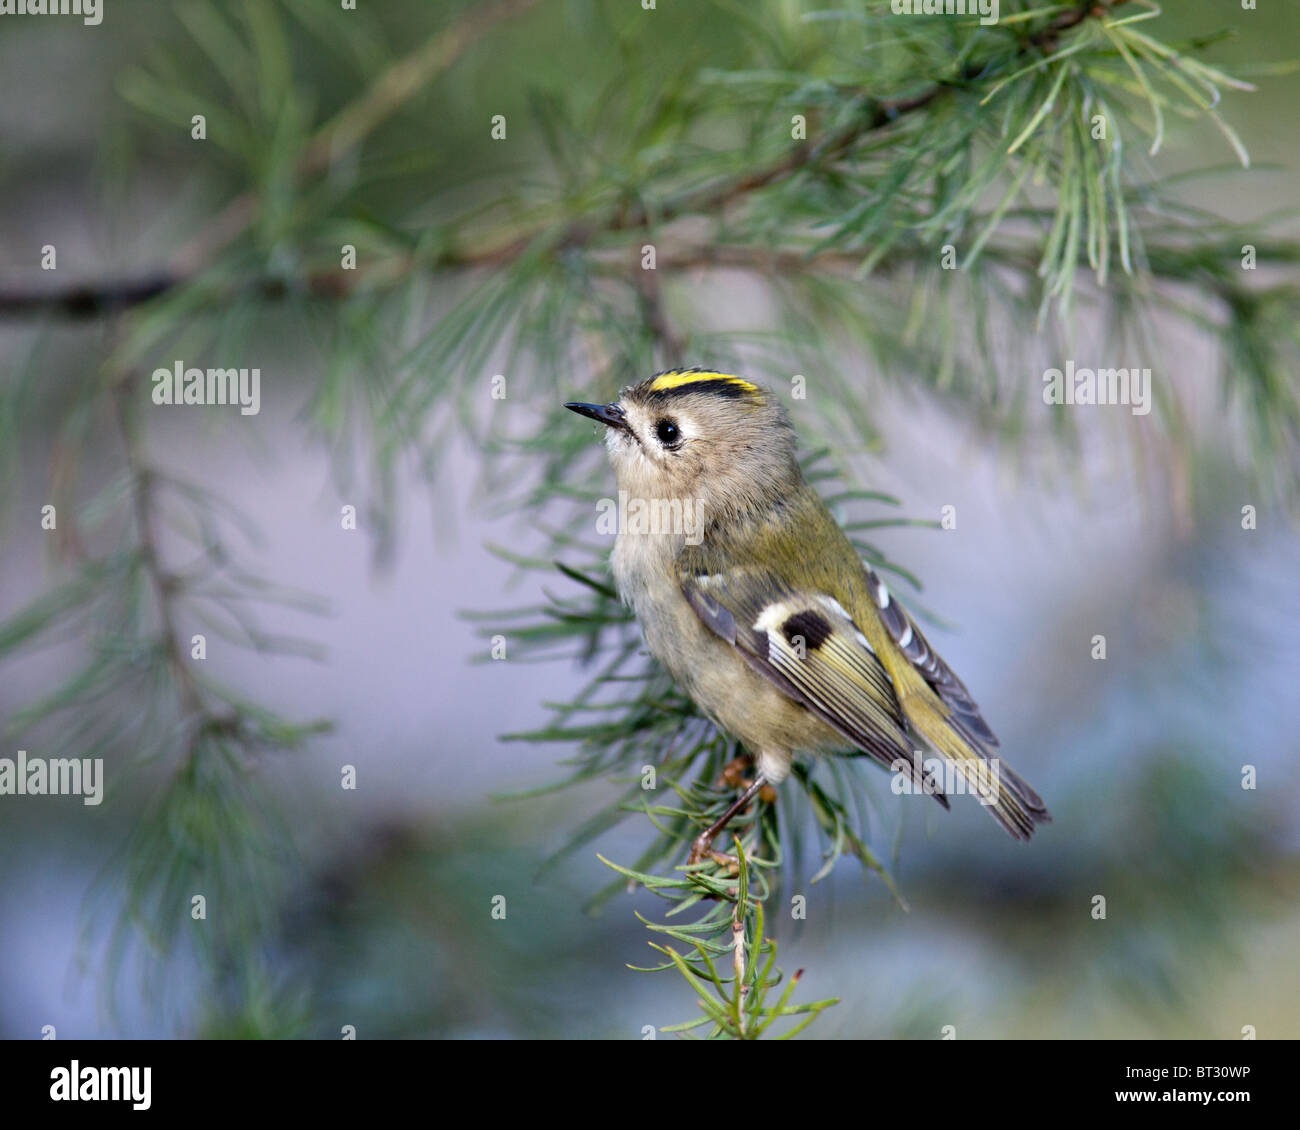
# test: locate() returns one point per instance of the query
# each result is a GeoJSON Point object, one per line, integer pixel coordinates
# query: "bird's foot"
{"type": "Point", "coordinates": [703, 845]}
{"type": "Point", "coordinates": [729, 863]}
{"type": "Point", "coordinates": [702, 849]}
{"type": "Point", "coordinates": [734, 772]}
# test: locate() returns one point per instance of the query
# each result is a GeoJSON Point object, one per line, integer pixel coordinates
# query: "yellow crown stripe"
{"type": "Point", "coordinates": [677, 378]}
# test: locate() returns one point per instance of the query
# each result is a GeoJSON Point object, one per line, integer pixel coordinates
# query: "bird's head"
{"type": "Point", "coordinates": [699, 434]}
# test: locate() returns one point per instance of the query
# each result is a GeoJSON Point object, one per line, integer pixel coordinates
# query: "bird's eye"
{"type": "Point", "coordinates": [668, 432]}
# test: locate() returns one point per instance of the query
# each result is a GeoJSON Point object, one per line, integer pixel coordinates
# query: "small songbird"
{"type": "Point", "coordinates": [756, 602]}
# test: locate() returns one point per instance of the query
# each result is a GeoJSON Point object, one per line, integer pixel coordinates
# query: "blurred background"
{"type": "Point", "coordinates": [330, 647]}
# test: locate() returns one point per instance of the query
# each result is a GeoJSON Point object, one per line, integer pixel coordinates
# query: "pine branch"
{"type": "Point", "coordinates": [142, 494]}
{"type": "Point", "coordinates": [842, 230]}
{"type": "Point", "coordinates": [410, 74]}
{"type": "Point", "coordinates": [350, 127]}
{"type": "Point", "coordinates": [331, 143]}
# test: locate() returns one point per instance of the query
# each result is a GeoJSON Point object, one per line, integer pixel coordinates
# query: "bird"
{"type": "Point", "coordinates": [753, 598]}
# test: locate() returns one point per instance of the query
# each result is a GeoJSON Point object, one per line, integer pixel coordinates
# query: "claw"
{"type": "Point", "coordinates": [702, 849]}
{"type": "Point", "coordinates": [703, 844]}
{"type": "Point", "coordinates": [699, 849]}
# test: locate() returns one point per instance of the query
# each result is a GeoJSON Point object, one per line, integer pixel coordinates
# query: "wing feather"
{"type": "Point", "coordinates": [1024, 807]}
{"type": "Point", "coordinates": [950, 689]}
{"type": "Point", "coordinates": [807, 646]}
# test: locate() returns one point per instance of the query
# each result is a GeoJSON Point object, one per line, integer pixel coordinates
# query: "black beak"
{"type": "Point", "coordinates": [609, 414]}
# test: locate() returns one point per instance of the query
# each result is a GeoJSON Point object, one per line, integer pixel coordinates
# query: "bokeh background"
{"type": "Point", "coordinates": [376, 909]}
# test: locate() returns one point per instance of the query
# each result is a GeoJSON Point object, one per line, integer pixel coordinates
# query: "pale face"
{"type": "Point", "coordinates": [717, 447]}
{"type": "Point", "coordinates": [660, 450]}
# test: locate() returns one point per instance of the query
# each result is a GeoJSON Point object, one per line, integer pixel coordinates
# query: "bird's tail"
{"type": "Point", "coordinates": [1001, 790]}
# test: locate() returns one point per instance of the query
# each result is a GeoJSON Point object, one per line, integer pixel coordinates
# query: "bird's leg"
{"type": "Point", "coordinates": [703, 844]}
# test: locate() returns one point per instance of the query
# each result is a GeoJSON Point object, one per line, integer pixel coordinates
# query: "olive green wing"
{"type": "Point", "coordinates": [808, 646]}
{"type": "Point", "coordinates": [966, 716]}
{"type": "Point", "coordinates": [1016, 806]}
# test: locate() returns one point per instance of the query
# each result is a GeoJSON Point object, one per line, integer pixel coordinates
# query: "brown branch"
{"type": "Point", "coordinates": [352, 125]}
{"type": "Point", "coordinates": [878, 114]}
{"type": "Point", "coordinates": [388, 93]}
{"type": "Point", "coordinates": [401, 82]}
{"type": "Point", "coordinates": [333, 283]}
{"type": "Point", "coordinates": [338, 137]}
{"type": "Point", "coordinates": [84, 300]}
{"type": "Point", "coordinates": [654, 314]}
{"type": "Point", "coordinates": [162, 582]}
